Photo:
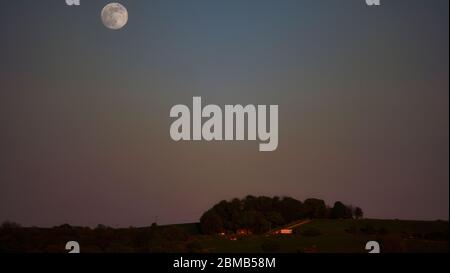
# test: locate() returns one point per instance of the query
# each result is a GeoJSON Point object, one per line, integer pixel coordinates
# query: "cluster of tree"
{"type": "Point", "coordinates": [260, 214]}
{"type": "Point", "coordinates": [174, 238]}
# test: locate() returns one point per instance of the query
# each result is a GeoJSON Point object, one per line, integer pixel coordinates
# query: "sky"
{"type": "Point", "coordinates": [363, 97]}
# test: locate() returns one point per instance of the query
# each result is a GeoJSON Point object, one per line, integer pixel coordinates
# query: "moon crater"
{"type": "Point", "coordinates": [114, 16]}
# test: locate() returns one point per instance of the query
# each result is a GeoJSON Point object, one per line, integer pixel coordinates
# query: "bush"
{"type": "Point", "coordinates": [101, 227]}
{"type": "Point", "coordinates": [10, 225]}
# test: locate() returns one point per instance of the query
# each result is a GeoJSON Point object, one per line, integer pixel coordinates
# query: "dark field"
{"type": "Point", "coordinates": [321, 236]}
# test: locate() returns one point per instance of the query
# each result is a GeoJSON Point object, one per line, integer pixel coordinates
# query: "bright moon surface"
{"type": "Point", "coordinates": [114, 16]}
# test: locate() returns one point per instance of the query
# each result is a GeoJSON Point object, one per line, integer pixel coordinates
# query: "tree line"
{"type": "Point", "coordinates": [261, 214]}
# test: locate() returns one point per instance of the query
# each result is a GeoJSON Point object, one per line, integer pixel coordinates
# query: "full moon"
{"type": "Point", "coordinates": [114, 16]}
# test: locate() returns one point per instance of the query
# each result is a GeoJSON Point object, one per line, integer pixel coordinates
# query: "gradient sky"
{"type": "Point", "coordinates": [363, 95]}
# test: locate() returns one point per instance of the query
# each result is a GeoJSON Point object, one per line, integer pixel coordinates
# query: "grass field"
{"type": "Point", "coordinates": [322, 236]}
{"type": "Point", "coordinates": [342, 236]}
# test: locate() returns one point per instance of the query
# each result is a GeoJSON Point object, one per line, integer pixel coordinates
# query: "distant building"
{"type": "Point", "coordinates": [284, 231]}
{"type": "Point", "coordinates": [243, 232]}
{"type": "Point", "coordinates": [288, 229]}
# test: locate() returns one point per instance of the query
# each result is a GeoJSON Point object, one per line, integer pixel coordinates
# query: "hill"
{"type": "Point", "coordinates": [320, 235]}
{"type": "Point", "coordinates": [343, 236]}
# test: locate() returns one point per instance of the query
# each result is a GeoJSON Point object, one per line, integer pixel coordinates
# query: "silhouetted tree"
{"type": "Point", "coordinates": [340, 211]}
{"type": "Point", "coordinates": [358, 213]}
{"type": "Point", "coordinates": [10, 225]}
{"type": "Point", "coordinates": [259, 214]}
{"type": "Point", "coordinates": [314, 208]}
{"type": "Point", "coordinates": [211, 222]}
{"type": "Point", "coordinates": [290, 209]}
{"type": "Point", "coordinates": [275, 218]}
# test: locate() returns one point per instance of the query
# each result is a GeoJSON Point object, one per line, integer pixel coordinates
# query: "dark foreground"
{"type": "Point", "coordinates": [318, 236]}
